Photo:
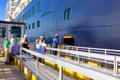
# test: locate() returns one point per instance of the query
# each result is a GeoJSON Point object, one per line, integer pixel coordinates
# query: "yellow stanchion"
{"type": "Point", "coordinates": [53, 65]}
{"type": "Point", "coordinates": [22, 67]}
{"type": "Point", "coordinates": [47, 62]}
{"type": "Point", "coordinates": [93, 63]}
{"type": "Point", "coordinates": [2, 53]}
{"type": "Point", "coordinates": [68, 57]}
{"type": "Point", "coordinates": [48, 51]}
{"type": "Point", "coordinates": [81, 77]}
{"type": "Point", "coordinates": [57, 66]}
{"type": "Point", "coordinates": [69, 72]}
{"type": "Point", "coordinates": [34, 77]}
{"type": "Point", "coordinates": [18, 64]}
{"type": "Point", "coordinates": [27, 74]}
{"type": "Point", "coordinates": [118, 69]}
{"type": "Point", "coordinates": [15, 61]}
{"type": "Point", "coordinates": [61, 46]}
{"type": "Point", "coordinates": [58, 54]}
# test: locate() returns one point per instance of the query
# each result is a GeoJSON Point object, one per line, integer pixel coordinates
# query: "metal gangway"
{"type": "Point", "coordinates": [78, 64]}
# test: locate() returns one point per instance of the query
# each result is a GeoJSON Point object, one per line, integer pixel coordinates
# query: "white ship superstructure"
{"type": "Point", "coordinates": [14, 7]}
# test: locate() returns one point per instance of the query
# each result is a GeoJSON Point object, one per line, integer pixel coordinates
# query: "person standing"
{"type": "Point", "coordinates": [14, 50]}
{"type": "Point", "coordinates": [12, 37]}
{"type": "Point", "coordinates": [41, 48]}
{"type": "Point", "coordinates": [25, 43]}
{"type": "Point", "coordinates": [6, 49]}
{"type": "Point", "coordinates": [44, 40]}
{"type": "Point", "coordinates": [37, 45]}
{"type": "Point", "coordinates": [55, 44]}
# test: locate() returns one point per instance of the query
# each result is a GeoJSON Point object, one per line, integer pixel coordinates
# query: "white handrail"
{"type": "Point", "coordinates": [97, 50]}
{"type": "Point", "coordinates": [80, 53]}
{"type": "Point", "coordinates": [98, 75]}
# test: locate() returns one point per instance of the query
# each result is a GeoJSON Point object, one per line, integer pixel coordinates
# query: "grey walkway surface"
{"type": "Point", "coordinates": [9, 72]}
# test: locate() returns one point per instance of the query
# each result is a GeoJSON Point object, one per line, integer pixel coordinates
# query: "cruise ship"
{"type": "Point", "coordinates": [87, 23]}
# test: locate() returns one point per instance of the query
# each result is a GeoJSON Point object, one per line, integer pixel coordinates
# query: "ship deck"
{"type": "Point", "coordinates": [9, 72]}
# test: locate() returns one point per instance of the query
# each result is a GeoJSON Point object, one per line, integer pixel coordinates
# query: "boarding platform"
{"type": "Point", "coordinates": [72, 63]}
{"type": "Point", "coordinates": [41, 71]}
{"type": "Point", "coordinates": [78, 67]}
{"type": "Point", "coordinates": [9, 72]}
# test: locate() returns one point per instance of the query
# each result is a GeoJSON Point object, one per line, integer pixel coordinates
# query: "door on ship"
{"type": "Point", "coordinates": [68, 40]}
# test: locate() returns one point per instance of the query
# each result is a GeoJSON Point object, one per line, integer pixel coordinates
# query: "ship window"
{"type": "Point", "coordinates": [33, 10]}
{"type": "Point", "coordinates": [29, 26]}
{"type": "Point", "coordinates": [38, 23]}
{"type": "Point", "coordinates": [38, 6]}
{"type": "Point", "coordinates": [25, 15]}
{"type": "Point", "coordinates": [16, 30]}
{"type": "Point", "coordinates": [2, 31]}
{"type": "Point", "coordinates": [67, 14]}
{"type": "Point", "coordinates": [33, 25]}
{"type": "Point", "coordinates": [26, 28]}
{"type": "Point", "coordinates": [29, 13]}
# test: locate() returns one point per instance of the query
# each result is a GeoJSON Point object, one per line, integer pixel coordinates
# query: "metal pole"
{"type": "Point", "coordinates": [115, 69]}
{"type": "Point", "coordinates": [78, 59]}
{"type": "Point", "coordinates": [37, 62]}
{"type": "Point", "coordinates": [20, 54]}
{"type": "Point", "coordinates": [105, 59]}
{"type": "Point", "coordinates": [61, 73]}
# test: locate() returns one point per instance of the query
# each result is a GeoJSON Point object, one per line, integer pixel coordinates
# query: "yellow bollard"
{"type": "Point", "coordinates": [93, 63]}
{"type": "Point", "coordinates": [47, 62]}
{"type": "Point", "coordinates": [69, 72]}
{"type": "Point", "coordinates": [81, 77]}
{"type": "Point", "coordinates": [48, 51]}
{"type": "Point", "coordinates": [58, 54]}
{"type": "Point", "coordinates": [18, 64]}
{"type": "Point", "coordinates": [53, 65]}
{"type": "Point", "coordinates": [57, 66]}
{"type": "Point", "coordinates": [119, 70]}
{"type": "Point", "coordinates": [27, 74]}
{"type": "Point", "coordinates": [22, 67]}
{"type": "Point", "coordinates": [2, 53]}
{"type": "Point", "coordinates": [34, 77]}
{"type": "Point", "coordinates": [68, 57]}
{"type": "Point", "coordinates": [15, 60]}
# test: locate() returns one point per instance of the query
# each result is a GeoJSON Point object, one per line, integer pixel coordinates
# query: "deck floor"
{"type": "Point", "coordinates": [9, 72]}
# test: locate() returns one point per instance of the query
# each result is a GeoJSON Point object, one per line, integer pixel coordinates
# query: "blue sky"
{"type": "Point", "coordinates": [2, 9]}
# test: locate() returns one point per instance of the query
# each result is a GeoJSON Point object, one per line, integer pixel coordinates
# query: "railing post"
{"type": "Point", "coordinates": [20, 59]}
{"type": "Point", "coordinates": [78, 59]}
{"type": "Point", "coordinates": [20, 51]}
{"type": "Point", "coordinates": [78, 56]}
{"type": "Point", "coordinates": [61, 73]}
{"type": "Point", "coordinates": [88, 52]}
{"type": "Point", "coordinates": [37, 65]}
{"type": "Point", "coordinates": [115, 68]}
{"type": "Point", "coordinates": [26, 56]}
{"type": "Point", "coordinates": [37, 62]}
{"type": "Point", "coordinates": [105, 58]}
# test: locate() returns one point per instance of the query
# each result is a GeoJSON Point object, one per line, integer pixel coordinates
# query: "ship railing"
{"type": "Point", "coordinates": [106, 59]}
{"type": "Point", "coordinates": [93, 50]}
{"type": "Point", "coordinates": [77, 67]}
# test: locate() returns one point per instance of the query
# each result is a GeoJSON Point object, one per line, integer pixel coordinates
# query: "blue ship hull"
{"type": "Point", "coordinates": [92, 23]}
